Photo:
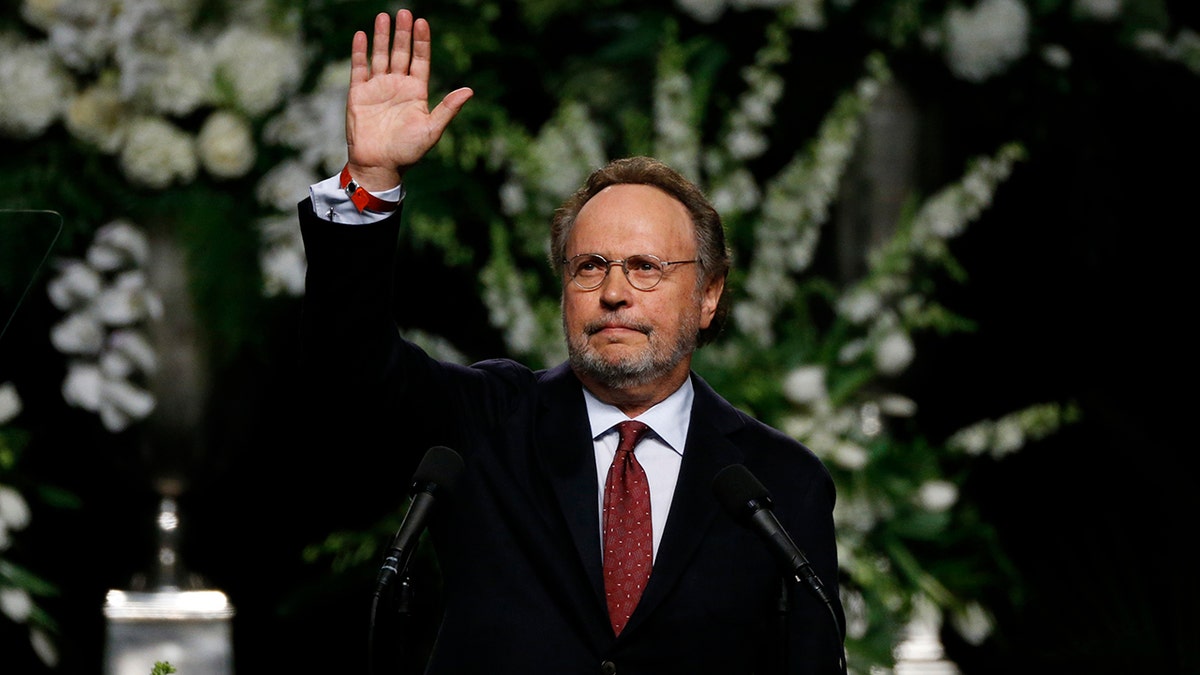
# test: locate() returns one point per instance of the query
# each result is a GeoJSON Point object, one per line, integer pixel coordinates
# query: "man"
{"type": "Point", "coordinates": [524, 539]}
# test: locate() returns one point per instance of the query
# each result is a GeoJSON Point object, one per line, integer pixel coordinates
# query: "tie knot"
{"type": "Point", "coordinates": [631, 432]}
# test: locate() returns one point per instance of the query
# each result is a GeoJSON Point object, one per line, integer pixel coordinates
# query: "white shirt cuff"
{"type": "Point", "coordinates": [332, 203]}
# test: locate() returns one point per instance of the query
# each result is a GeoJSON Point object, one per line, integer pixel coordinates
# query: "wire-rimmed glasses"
{"type": "Point", "coordinates": [588, 270]}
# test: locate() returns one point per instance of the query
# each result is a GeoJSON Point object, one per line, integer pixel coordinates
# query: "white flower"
{"type": "Point", "coordinates": [226, 145]}
{"type": "Point", "coordinates": [896, 405]}
{"type": "Point", "coordinates": [735, 192]}
{"type": "Point", "coordinates": [36, 89]}
{"type": "Point", "coordinates": [1100, 10]}
{"type": "Point", "coordinates": [808, 14]}
{"type": "Point", "coordinates": [122, 402]}
{"type": "Point", "coordinates": [10, 403]}
{"type": "Point", "coordinates": [283, 269]}
{"type": "Point", "coordinates": [854, 513]}
{"type": "Point", "coordinates": [1056, 56]}
{"type": "Point", "coordinates": [126, 301]}
{"type": "Point", "coordinates": [704, 11]}
{"type": "Point", "coordinates": [512, 198]}
{"type": "Point", "coordinates": [178, 81]}
{"type": "Point", "coordinates": [745, 143]}
{"type": "Point", "coordinates": [77, 284]}
{"type": "Point", "coordinates": [82, 34]}
{"type": "Point", "coordinates": [40, 13]}
{"type": "Point", "coordinates": [78, 333]}
{"type": "Point", "coordinates": [82, 385]}
{"type": "Point", "coordinates": [973, 623]}
{"type": "Point", "coordinates": [118, 244]}
{"type": "Point", "coordinates": [259, 68]}
{"type": "Point", "coordinates": [117, 401]}
{"type": "Point", "coordinates": [97, 116]}
{"type": "Point", "coordinates": [14, 511]}
{"type": "Point", "coordinates": [937, 495]}
{"type": "Point", "coordinates": [158, 154]}
{"type": "Point", "coordinates": [852, 350]}
{"type": "Point", "coordinates": [315, 124]}
{"type": "Point", "coordinates": [44, 647]}
{"type": "Point", "coordinates": [15, 603]}
{"type": "Point", "coordinates": [894, 353]}
{"type": "Point", "coordinates": [858, 616]}
{"type": "Point", "coordinates": [1009, 437]}
{"type": "Point", "coordinates": [285, 185]}
{"type": "Point", "coordinates": [972, 440]}
{"type": "Point", "coordinates": [115, 364]}
{"type": "Point", "coordinates": [805, 385]}
{"type": "Point", "coordinates": [133, 346]}
{"type": "Point", "coordinates": [851, 456]}
{"type": "Point", "coordinates": [985, 40]}
{"type": "Point", "coordinates": [753, 319]}
{"type": "Point", "coordinates": [860, 305]}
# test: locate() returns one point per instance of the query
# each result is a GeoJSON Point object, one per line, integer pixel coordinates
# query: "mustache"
{"type": "Point", "coordinates": [593, 327]}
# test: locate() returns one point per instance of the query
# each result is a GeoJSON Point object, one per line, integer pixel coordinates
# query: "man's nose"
{"type": "Point", "coordinates": [615, 289]}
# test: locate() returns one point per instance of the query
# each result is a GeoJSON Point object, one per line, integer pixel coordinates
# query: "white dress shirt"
{"type": "Point", "coordinates": [660, 452]}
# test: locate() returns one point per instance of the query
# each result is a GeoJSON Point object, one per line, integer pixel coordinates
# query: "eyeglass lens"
{"type": "Point", "coordinates": [589, 270]}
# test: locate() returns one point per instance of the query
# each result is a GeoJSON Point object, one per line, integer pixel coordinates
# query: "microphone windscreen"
{"type": "Point", "coordinates": [739, 491]}
{"type": "Point", "coordinates": [439, 469]}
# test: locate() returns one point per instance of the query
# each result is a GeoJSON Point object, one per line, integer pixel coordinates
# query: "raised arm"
{"type": "Point", "coordinates": [389, 125]}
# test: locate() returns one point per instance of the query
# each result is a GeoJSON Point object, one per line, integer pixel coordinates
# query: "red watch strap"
{"type": "Point", "coordinates": [363, 200]}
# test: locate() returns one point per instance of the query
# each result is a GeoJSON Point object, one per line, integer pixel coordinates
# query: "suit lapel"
{"type": "Point", "coordinates": [565, 449]}
{"type": "Point", "coordinates": [693, 507]}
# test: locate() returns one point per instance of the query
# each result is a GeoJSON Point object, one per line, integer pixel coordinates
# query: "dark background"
{"type": "Point", "coordinates": [1076, 285]}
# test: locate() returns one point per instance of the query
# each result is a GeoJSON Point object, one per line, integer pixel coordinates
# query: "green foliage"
{"type": "Point", "coordinates": [764, 108]}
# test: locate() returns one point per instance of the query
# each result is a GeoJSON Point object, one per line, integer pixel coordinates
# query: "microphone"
{"type": "Point", "coordinates": [437, 474]}
{"type": "Point", "coordinates": [748, 502]}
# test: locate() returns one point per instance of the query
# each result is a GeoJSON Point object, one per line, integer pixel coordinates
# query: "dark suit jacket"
{"type": "Point", "coordinates": [518, 542]}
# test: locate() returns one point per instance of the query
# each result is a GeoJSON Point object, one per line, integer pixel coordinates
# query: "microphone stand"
{"type": "Point", "coordinates": [781, 657]}
{"type": "Point", "coordinates": [404, 610]}
{"type": "Point", "coordinates": [781, 625]}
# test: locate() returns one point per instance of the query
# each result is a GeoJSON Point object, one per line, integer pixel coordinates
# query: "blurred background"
{"type": "Point", "coordinates": [958, 229]}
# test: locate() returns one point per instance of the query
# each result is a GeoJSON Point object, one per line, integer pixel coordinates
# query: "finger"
{"type": "Point", "coordinates": [421, 48]}
{"type": "Point", "coordinates": [358, 58]}
{"type": "Point", "coordinates": [379, 47]}
{"type": "Point", "coordinates": [401, 46]}
{"type": "Point", "coordinates": [448, 109]}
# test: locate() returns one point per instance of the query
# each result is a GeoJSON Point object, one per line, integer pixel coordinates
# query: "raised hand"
{"type": "Point", "coordinates": [389, 125]}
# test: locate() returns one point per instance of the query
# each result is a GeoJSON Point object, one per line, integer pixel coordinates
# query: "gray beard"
{"type": "Point", "coordinates": [657, 360]}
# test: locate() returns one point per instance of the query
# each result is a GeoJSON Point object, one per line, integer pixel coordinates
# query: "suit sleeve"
{"type": "Point", "coordinates": [358, 374]}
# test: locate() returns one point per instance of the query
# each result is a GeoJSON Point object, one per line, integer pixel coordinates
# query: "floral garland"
{"type": "Point", "coordinates": [171, 99]}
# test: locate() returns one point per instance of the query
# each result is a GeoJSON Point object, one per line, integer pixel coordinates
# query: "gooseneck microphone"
{"type": "Point", "coordinates": [749, 503]}
{"type": "Point", "coordinates": [434, 477]}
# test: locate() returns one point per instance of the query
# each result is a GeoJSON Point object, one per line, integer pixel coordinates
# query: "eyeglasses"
{"type": "Point", "coordinates": [589, 270]}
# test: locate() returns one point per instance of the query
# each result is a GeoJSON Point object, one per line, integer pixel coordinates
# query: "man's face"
{"type": "Point", "coordinates": [616, 334]}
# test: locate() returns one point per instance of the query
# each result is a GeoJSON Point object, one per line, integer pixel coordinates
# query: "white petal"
{"type": "Point", "coordinates": [10, 402]}
{"type": "Point", "coordinates": [14, 511]}
{"type": "Point", "coordinates": [82, 386]}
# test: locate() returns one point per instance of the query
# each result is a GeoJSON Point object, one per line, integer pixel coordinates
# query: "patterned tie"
{"type": "Point", "coordinates": [628, 537]}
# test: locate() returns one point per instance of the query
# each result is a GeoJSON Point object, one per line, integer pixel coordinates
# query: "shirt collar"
{"type": "Point", "coordinates": [669, 418]}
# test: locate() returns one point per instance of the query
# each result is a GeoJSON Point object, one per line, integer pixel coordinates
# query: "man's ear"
{"type": "Point", "coordinates": [709, 299]}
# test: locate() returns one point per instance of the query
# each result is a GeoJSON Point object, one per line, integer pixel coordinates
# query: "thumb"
{"type": "Point", "coordinates": [450, 105]}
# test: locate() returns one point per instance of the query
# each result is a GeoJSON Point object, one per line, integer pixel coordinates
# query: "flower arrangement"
{"type": "Point", "coordinates": [209, 120]}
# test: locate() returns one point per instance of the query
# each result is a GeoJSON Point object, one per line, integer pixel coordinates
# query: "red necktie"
{"type": "Point", "coordinates": [628, 537]}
